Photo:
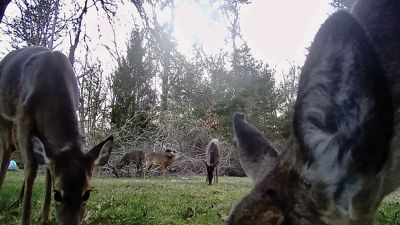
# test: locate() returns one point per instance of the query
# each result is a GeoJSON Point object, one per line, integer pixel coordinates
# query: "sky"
{"type": "Point", "coordinates": [277, 31]}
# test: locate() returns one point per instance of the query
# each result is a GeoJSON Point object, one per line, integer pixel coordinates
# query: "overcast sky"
{"type": "Point", "coordinates": [276, 31]}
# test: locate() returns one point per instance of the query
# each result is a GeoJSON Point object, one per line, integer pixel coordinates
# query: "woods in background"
{"type": "Point", "coordinates": [156, 97]}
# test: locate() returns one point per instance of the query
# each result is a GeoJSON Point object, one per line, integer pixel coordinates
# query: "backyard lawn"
{"type": "Point", "coordinates": [157, 201]}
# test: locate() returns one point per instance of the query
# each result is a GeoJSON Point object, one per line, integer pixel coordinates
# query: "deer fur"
{"type": "Point", "coordinates": [212, 154]}
{"type": "Point", "coordinates": [164, 159]}
{"type": "Point", "coordinates": [344, 155]}
{"type": "Point", "coordinates": [135, 157]}
{"type": "Point", "coordinates": [39, 94]}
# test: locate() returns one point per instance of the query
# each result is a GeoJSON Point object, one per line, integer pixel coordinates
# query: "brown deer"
{"type": "Point", "coordinates": [135, 157]}
{"type": "Point", "coordinates": [344, 155]}
{"type": "Point", "coordinates": [39, 93]}
{"type": "Point", "coordinates": [164, 159]}
{"type": "Point", "coordinates": [212, 153]}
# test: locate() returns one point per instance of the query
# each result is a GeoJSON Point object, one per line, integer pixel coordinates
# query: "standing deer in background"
{"type": "Point", "coordinates": [135, 157]}
{"type": "Point", "coordinates": [39, 93]}
{"type": "Point", "coordinates": [344, 156]}
{"type": "Point", "coordinates": [164, 159]}
{"type": "Point", "coordinates": [212, 153]}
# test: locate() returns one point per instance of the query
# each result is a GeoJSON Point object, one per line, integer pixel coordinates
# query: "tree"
{"type": "Point", "coordinates": [93, 108]}
{"type": "Point", "coordinates": [33, 25]}
{"type": "Point", "coordinates": [288, 93]}
{"type": "Point", "coordinates": [254, 91]}
{"type": "Point", "coordinates": [108, 7]}
{"type": "Point", "coordinates": [132, 84]}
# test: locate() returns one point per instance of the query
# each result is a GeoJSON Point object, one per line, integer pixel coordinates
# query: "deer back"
{"type": "Point", "coordinates": [212, 152]}
{"type": "Point", "coordinates": [160, 158]}
{"type": "Point", "coordinates": [39, 84]}
{"type": "Point", "coordinates": [134, 156]}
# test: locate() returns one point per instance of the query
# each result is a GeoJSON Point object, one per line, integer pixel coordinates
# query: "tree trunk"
{"type": "Point", "coordinates": [53, 27]}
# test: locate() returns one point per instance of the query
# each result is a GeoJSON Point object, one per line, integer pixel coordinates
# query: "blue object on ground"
{"type": "Point", "coordinates": [12, 166]}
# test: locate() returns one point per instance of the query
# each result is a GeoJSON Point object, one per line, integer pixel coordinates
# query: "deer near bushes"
{"type": "Point", "coordinates": [39, 93]}
{"type": "Point", "coordinates": [212, 154]}
{"type": "Point", "coordinates": [344, 155]}
{"type": "Point", "coordinates": [134, 157]}
{"type": "Point", "coordinates": [163, 159]}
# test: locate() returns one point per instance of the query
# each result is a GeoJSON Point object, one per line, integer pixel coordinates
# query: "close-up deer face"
{"type": "Point", "coordinates": [71, 171]}
{"type": "Point", "coordinates": [280, 195]}
{"type": "Point", "coordinates": [341, 159]}
{"type": "Point", "coordinates": [71, 190]}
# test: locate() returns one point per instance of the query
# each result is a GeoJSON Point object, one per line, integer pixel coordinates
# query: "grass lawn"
{"type": "Point", "coordinates": [157, 201]}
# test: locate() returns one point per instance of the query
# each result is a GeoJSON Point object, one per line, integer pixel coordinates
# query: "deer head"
{"type": "Point", "coordinates": [340, 156]}
{"type": "Point", "coordinates": [71, 171]}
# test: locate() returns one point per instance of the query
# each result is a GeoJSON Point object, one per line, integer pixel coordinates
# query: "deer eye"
{"type": "Point", "coordinates": [86, 196]}
{"type": "Point", "coordinates": [57, 196]}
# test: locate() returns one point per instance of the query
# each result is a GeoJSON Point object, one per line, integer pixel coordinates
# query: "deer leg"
{"type": "Point", "coordinates": [45, 214]}
{"type": "Point", "coordinates": [169, 169]}
{"type": "Point", "coordinates": [146, 169]}
{"type": "Point", "coordinates": [8, 149]}
{"type": "Point", "coordinates": [165, 171]}
{"type": "Point", "coordinates": [4, 166]}
{"type": "Point", "coordinates": [16, 204]}
{"type": "Point", "coordinates": [30, 170]}
{"type": "Point", "coordinates": [216, 174]}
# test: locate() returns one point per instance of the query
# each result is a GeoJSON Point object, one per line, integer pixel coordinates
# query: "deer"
{"type": "Point", "coordinates": [164, 159]}
{"type": "Point", "coordinates": [212, 153]}
{"type": "Point", "coordinates": [39, 94]}
{"type": "Point", "coordinates": [343, 156]}
{"type": "Point", "coordinates": [135, 157]}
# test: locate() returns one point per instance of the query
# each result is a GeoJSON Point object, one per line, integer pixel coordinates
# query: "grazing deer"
{"type": "Point", "coordinates": [135, 157]}
{"type": "Point", "coordinates": [212, 153]}
{"type": "Point", "coordinates": [164, 159]}
{"type": "Point", "coordinates": [39, 93]}
{"type": "Point", "coordinates": [344, 155]}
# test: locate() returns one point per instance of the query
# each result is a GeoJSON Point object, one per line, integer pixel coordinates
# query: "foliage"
{"type": "Point", "coordinates": [132, 90]}
{"type": "Point", "coordinates": [156, 97]}
{"type": "Point", "coordinates": [32, 25]}
{"type": "Point", "coordinates": [288, 94]}
{"type": "Point", "coordinates": [93, 108]}
{"type": "Point", "coordinates": [254, 91]}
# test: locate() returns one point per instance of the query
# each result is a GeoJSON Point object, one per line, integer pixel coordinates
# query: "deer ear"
{"type": "Point", "coordinates": [39, 151]}
{"type": "Point", "coordinates": [343, 115]}
{"type": "Point", "coordinates": [100, 153]}
{"type": "Point", "coordinates": [255, 152]}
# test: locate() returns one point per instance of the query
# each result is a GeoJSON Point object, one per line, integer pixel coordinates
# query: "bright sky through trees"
{"type": "Point", "coordinates": [277, 31]}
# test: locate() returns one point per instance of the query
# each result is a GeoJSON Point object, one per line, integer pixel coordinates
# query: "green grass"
{"type": "Point", "coordinates": [388, 214]}
{"type": "Point", "coordinates": [164, 201]}
{"type": "Point", "coordinates": [157, 201]}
